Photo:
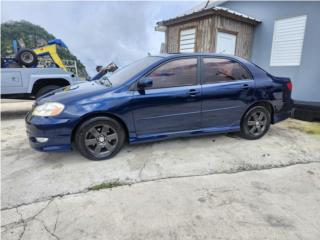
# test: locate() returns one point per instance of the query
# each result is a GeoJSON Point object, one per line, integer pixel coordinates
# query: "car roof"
{"type": "Point", "coordinates": [196, 54]}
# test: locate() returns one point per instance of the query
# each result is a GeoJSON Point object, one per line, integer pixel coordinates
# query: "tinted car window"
{"type": "Point", "coordinates": [222, 70]}
{"type": "Point", "coordinates": [182, 72]}
{"type": "Point", "coordinates": [125, 73]}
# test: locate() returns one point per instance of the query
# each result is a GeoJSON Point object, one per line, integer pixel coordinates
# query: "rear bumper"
{"type": "Point", "coordinates": [278, 117]}
{"type": "Point", "coordinates": [57, 131]}
{"type": "Point", "coordinates": [284, 113]}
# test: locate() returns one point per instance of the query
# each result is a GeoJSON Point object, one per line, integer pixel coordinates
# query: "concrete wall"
{"type": "Point", "coordinates": [306, 77]}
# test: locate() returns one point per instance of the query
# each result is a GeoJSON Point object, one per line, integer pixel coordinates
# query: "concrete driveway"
{"type": "Point", "coordinates": [213, 187]}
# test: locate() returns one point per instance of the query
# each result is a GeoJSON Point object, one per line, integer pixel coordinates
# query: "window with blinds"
{"type": "Point", "coordinates": [187, 40]}
{"type": "Point", "coordinates": [287, 42]}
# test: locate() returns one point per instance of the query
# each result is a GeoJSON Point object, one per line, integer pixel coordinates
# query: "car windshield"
{"type": "Point", "coordinates": [125, 73]}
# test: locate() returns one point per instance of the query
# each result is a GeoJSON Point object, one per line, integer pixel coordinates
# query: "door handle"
{"type": "Point", "coordinates": [193, 92]}
{"type": "Point", "coordinates": [245, 86]}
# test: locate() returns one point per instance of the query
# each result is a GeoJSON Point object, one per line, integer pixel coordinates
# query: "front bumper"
{"type": "Point", "coordinates": [58, 131]}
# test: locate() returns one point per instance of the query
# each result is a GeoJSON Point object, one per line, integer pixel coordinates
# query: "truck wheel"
{"type": "Point", "coordinates": [46, 89]}
{"type": "Point", "coordinates": [27, 57]}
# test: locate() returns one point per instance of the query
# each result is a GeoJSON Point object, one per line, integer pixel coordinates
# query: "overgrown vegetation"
{"type": "Point", "coordinates": [32, 36]}
{"type": "Point", "coordinates": [105, 185]}
{"type": "Point", "coordinates": [307, 127]}
{"type": "Point", "coordinates": [312, 129]}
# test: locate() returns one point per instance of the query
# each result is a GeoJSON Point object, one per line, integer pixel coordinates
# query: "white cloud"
{"type": "Point", "coordinates": [100, 32]}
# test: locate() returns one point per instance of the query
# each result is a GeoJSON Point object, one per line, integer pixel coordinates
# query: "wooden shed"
{"type": "Point", "coordinates": [208, 28]}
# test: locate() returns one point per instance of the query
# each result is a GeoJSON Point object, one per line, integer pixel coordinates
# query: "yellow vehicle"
{"type": "Point", "coordinates": [29, 57]}
{"type": "Point", "coordinates": [51, 50]}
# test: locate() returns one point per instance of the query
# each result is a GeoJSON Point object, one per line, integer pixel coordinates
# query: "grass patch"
{"type": "Point", "coordinates": [307, 127]}
{"type": "Point", "coordinates": [105, 185]}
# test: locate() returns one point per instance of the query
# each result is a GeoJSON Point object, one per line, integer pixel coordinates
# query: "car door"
{"type": "Point", "coordinates": [11, 82]}
{"type": "Point", "coordinates": [172, 103]}
{"type": "Point", "coordinates": [227, 89]}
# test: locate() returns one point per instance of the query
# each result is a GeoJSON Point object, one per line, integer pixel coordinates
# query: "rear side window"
{"type": "Point", "coordinates": [182, 72]}
{"type": "Point", "coordinates": [217, 70]}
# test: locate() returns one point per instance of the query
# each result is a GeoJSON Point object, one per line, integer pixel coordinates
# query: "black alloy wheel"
{"type": "Point", "coordinates": [100, 138]}
{"type": "Point", "coordinates": [255, 123]}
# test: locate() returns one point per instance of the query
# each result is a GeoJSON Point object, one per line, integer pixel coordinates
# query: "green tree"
{"type": "Point", "coordinates": [32, 36]}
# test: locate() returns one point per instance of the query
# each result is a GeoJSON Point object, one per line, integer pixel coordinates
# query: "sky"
{"type": "Point", "coordinates": [100, 32]}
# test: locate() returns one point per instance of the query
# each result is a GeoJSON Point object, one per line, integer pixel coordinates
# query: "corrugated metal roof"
{"type": "Point", "coordinates": [236, 13]}
{"type": "Point", "coordinates": [211, 5]}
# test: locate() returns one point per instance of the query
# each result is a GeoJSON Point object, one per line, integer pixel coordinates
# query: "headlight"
{"type": "Point", "coordinates": [48, 109]}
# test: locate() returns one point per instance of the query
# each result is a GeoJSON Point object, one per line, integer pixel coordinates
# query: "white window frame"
{"type": "Point", "coordinates": [279, 55]}
{"type": "Point", "coordinates": [187, 40]}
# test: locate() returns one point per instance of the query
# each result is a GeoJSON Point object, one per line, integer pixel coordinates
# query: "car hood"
{"type": "Point", "coordinates": [75, 92]}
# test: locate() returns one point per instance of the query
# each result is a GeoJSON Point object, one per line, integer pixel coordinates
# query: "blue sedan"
{"type": "Point", "coordinates": [156, 98]}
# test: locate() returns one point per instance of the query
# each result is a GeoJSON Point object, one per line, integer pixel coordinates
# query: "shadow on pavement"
{"type": "Point", "coordinates": [13, 115]}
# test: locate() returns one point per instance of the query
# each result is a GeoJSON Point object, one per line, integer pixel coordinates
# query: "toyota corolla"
{"type": "Point", "coordinates": [156, 98]}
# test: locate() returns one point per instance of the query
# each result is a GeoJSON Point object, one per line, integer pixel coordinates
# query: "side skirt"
{"type": "Point", "coordinates": [170, 135]}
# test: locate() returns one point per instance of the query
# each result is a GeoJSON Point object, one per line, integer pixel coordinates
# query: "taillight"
{"type": "Point", "coordinates": [289, 86]}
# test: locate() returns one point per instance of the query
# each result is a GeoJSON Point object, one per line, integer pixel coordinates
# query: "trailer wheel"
{"type": "Point", "coordinates": [27, 57]}
{"type": "Point", "coordinates": [46, 89]}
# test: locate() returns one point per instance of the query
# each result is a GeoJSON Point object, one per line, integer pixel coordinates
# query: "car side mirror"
{"type": "Point", "coordinates": [144, 83]}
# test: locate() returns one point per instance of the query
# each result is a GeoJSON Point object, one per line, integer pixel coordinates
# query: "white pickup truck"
{"type": "Point", "coordinates": [33, 82]}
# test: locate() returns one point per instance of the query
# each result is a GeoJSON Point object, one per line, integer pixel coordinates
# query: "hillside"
{"type": "Point", "coordinates": [30, 36]}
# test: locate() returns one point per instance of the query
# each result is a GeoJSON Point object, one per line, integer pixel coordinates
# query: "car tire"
{"type": "Point", "coordinates": [255, 123]}
{"type": "Point", "coordinates": [46, 89]}
{"type": "Point", "coordinates": [27, 57]}
{"type": "Point", "coordinates": [100, 138]}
